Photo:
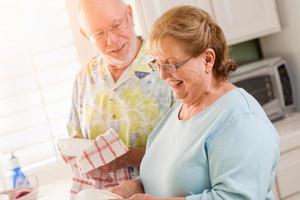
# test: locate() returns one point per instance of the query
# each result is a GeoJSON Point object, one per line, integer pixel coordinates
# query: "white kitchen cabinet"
{"type": "Point", "coordinates": [288, 175]}
{"type": "Point", "coordinates": [240, 20]}
{"type": "Point", "coordinates": [294, 197]}
{"type": "Point", "coordinates": [149, 11]}
{"type": "Point", "coordinates": [246, 19]}
{"type": "Point", "coordinates": [275, 192]}
{"type": "Point", "coordinates": [288, 170]}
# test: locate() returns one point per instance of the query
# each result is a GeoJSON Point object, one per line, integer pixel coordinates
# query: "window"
{"type": "Point", "coordinates": [41, 51]}
{"type": "Point", "coordinates": [38, 64]}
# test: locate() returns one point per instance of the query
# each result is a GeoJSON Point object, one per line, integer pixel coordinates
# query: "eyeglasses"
{"type": "Point", "coordinates": [117, 27]}
{"type": "Point", "coordinates": [169, 68]}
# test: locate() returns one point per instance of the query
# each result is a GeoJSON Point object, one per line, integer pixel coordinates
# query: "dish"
{"type": "Point", "coordinates": [91, 194]}
{"type": "Point", "coordinates": [26, 194]}
{"type": "Point", "coordinates": [73, 146]}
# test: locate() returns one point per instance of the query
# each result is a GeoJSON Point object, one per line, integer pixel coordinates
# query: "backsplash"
{"type": "Point", "coordinates": [245, 52]}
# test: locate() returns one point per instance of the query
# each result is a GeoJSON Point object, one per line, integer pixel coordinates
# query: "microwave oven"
{"type": "Point", "coordinates": [269, 82]}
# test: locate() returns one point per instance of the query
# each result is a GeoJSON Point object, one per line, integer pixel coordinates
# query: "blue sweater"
{"type": "Point", "coordinates": [228, 151]}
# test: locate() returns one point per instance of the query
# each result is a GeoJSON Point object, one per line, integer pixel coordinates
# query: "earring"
{"type": "Point", "coordinates": [206, 70]}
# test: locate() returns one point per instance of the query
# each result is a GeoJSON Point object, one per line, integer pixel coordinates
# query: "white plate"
{"type": "Point", "coordinates": [73, 146]}
{"type": "Point", "coordinates": [91, 194]}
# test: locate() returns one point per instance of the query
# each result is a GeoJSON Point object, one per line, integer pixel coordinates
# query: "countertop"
{"type": "Point", "coordinates": [55, 191]}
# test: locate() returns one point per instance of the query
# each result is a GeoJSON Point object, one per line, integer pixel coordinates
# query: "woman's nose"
{"type": "Point", "coordinates": [163, 74]}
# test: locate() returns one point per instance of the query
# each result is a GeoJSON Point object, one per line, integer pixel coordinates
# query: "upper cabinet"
{"type": "Point", "coordinates": [150, 10]}
{"type": "Point", "coordinates": [241, 20]}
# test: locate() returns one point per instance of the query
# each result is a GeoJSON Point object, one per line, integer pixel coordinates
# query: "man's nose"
{"type": "Point", "coordinates": [111, 38]}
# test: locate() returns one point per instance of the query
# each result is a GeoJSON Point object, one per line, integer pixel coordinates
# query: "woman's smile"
{"type": "Point", "coordinates": [175, 83]}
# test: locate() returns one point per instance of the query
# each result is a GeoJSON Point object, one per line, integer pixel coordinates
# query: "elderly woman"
{"type": "Point", "coordinates": [217, 142]}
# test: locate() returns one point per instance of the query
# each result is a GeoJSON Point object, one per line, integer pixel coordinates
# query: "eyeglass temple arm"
{"type": "Point", "coordinates": [83, 33]}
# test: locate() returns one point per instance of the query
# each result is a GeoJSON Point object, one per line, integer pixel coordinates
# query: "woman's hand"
{"type": "Point", "coordinates": [142, 197]}
{"type": "Point", "coordinates": [128, 188]}
{"type": "Point", "coordinates": [149, 197]}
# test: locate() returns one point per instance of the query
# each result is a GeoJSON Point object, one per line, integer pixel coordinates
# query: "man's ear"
{"type": "Point", "coordinates": [130, 13]}
{"type": "Point", "coordinates": [209, 59]}
{"type": "Point", "coordinates": [129, 10]}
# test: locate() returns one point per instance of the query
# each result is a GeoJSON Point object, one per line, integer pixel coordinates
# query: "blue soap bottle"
{"type": "Point", "coordinates": [18, 177]}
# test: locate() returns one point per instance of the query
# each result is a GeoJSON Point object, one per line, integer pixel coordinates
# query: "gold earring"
{"type": "Point", "coordinates": [206, 67]}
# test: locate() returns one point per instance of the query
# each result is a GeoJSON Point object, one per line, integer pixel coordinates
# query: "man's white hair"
{"type": "Point", "coordinates": [81, 3]}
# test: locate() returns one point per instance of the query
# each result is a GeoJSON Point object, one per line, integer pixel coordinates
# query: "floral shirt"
{"type": "Point", "coordinates": [132, 106]}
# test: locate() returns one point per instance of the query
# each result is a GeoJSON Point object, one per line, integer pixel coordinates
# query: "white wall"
{"type": "Point", "coordinates": [287, 42]}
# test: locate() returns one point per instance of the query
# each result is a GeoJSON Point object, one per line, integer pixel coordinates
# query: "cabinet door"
{"type": "Point", "coordinates": [275, 192]}
{"type": "Point", "coordinates": [294, 197]}
{"type": "Point", "coordinates": [242, 20]}
{"type": "Point", "coordinates": [150, 10]}
{"type": "Point", "coordinates": [288, 176]}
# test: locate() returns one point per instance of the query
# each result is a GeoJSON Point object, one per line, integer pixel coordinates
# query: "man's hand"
{"type": "Point", "coordinates": [76, 135]}
{"type": "Point", "coordinates": [65, 158]}
{"type": "Point", "coordinates": [128, 188]}
{"type": "Point", "coordinates": [132, 158]}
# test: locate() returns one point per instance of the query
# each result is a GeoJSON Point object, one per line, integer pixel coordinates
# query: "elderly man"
{"type": "Point", "coordinates": [116, 89]}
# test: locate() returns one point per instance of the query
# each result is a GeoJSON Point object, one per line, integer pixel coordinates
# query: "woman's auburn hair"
{"type": "Point", "coordinates": [195, 31]}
